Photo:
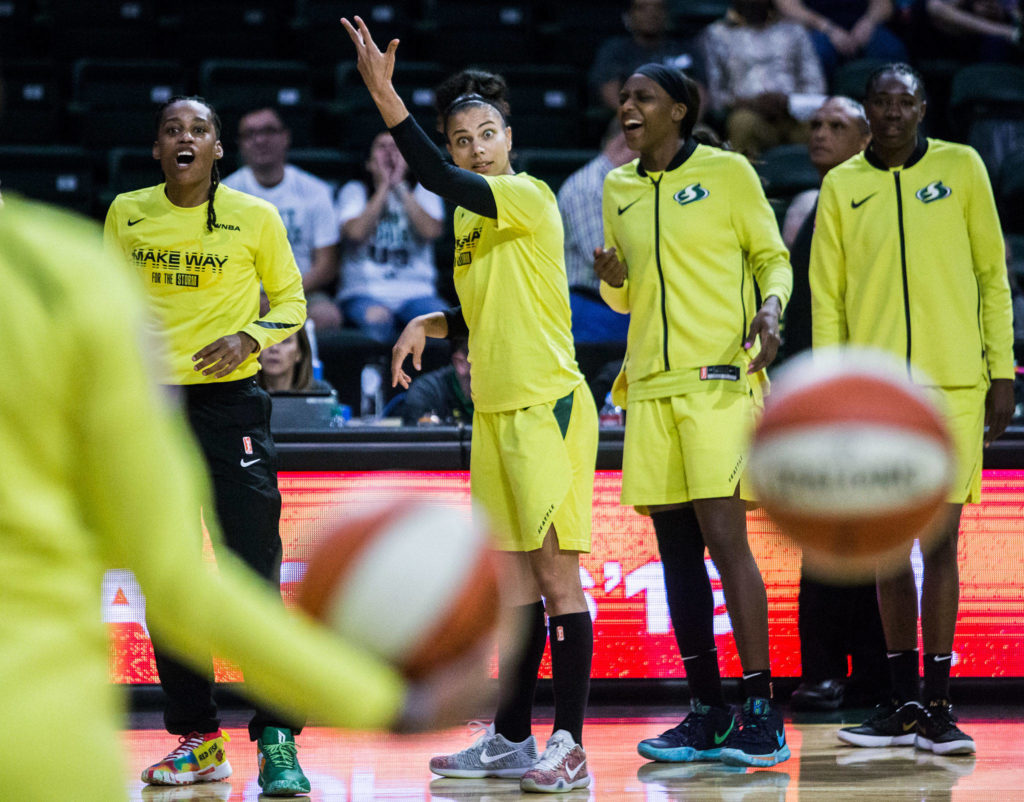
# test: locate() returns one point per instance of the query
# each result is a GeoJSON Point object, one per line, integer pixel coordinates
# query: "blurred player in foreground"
{"type": "Point", "coordinates": [99, 472]}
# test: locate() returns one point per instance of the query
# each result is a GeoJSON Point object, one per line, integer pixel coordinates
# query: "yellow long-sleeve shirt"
{"type": "Point", "coordinates": [694, 238]}
{"type": "Point", "coordinates": [97, 472]}
{"type": "Point", "coordinates": [204, 285]}
{"type": "Point", "coordinates": [911, 260]}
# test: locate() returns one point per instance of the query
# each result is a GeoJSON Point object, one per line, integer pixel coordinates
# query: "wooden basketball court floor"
{"type": "Point", "coordinates": [346, 766]}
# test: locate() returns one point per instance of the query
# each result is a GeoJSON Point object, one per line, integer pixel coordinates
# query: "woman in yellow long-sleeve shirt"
{"type": "Point", "coordinates": [687, 233]}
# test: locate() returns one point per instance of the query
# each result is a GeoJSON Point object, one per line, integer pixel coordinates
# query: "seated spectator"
{"type": "Point", "coordinates": [647, 22]}
{"type": "Point", "coordinates": [443, 394]}
{"type": "Point", "coordinates": [304, 202]}
{"type": "Point", "coordinates": [842, 30]}
{"type": "Point", "coordinates": [979, 30]}
{"type": "Point", "coordinates": [755, 61]}
{"type": "Point", "coordinates": [287, 367]}
{"type": "Point", "coordinates": [387, 264]}
{"type": "Point", "coordinates": [579, 201]}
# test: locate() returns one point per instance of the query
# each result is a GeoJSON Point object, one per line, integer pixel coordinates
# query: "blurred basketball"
{"type": "Point", "coordinates": [413, 583]}
{"type": "Point", "coordinates": [851, 460]}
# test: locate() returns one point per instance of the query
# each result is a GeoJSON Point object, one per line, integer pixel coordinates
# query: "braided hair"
{"type": "Point", "coordinates": [211, 213]}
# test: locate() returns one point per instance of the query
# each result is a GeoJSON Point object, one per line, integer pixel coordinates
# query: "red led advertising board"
{"type": "Point", "coordinates": [623, 581]}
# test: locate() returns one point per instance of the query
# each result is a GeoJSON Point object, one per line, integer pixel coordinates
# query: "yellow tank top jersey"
{"type": "Point", "coordinates": [694, 239]}
{"type": "Point", "coordinates": [511, 281]}
{"type": "Point", "coordinates": [204, 285]}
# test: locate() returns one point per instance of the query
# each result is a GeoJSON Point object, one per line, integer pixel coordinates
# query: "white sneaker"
{"type": "Point", "coordinates": [490, 756]}
{"type": "Point", "coordinates": [562, 767]}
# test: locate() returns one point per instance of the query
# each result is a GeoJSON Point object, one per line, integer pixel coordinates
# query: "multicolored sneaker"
{"type": "Point", "coordinates": [199, 758]}
{"type": "Point", "coordinates": [562, 767]}
{"type": "Point", "coordinates": [277, 755]}
{"type": "Point", "coordinates": [891, 724]}
{"type": "Point", "coordinates": [489, 756]}
{"type": "Point", "coordinates": [937, 731]}
{"type": "Point", "coordinates": [699, 736]}
{"type": "Point", "coordinates": [761, 740]}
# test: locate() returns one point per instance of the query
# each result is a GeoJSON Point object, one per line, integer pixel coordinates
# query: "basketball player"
{"type": "Point", "coordinates": [907, 256]}
{"type": "Point", "coordinates": [687, 232]}
{"type": "Point", "coordinates": [534, 426]}
{"type": "Point", "coordinates": [203, 251]}
{"type": "Point", "coordinates": [98, 471]}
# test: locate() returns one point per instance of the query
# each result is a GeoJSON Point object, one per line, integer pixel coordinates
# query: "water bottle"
{"type": "Point", "coordinates": [371, 382]}
{"type": "Point", "coordinates": [610, 415]}
{"type": "Point", "coordinates": [318, 368]}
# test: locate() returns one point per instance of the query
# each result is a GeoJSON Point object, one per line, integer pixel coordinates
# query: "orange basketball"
{"type": "Point", "coordinates": [851, 460]}
{"type": "Point", "coordinates": [412, 582]}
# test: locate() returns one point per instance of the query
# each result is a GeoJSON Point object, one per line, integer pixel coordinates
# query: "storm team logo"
{"type": "Point", "coordinates": [936, 190]}
{"type": "Point", "coordinates": [690, 194]}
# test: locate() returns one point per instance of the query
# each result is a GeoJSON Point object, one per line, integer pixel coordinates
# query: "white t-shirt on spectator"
{"type": "Point", "coordinates": [394, 264]}
{"type": "Point", "coordinates": [304, 202]}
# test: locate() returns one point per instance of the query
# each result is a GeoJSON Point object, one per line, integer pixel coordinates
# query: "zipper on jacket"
{"type": "Point", "coordinates": [657, 261]}
{"type": "Point", "coordinates": [903, 265]}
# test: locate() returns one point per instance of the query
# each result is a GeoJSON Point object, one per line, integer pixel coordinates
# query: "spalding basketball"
{"type": "Point", "coordinates": [851, 460]}
{"type": "Point", "coordinates": [411, 582]}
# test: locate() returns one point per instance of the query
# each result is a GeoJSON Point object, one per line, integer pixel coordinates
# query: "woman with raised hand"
{"type": "Point", "coordinates": [534, 427]}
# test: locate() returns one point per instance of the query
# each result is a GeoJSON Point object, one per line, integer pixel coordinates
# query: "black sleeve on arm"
{"type": "Point", "coordinates": [456, 322]}
{"type": "Point", "coordinates": [452, 183]}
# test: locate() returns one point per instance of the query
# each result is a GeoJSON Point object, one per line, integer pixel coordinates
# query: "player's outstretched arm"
{"type": "Point", "coordinates": [377, 68]}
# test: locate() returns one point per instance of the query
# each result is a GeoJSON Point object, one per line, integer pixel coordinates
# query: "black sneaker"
{"type": "Point", "coordinates": [891, 725]}
{"type": "Point", "coordinates": [699, 736]}
{"type": "Point", "coordinates": [938, 733]}
{"type": "Point", "coordinates": [761, 740]}
{"type": "Point", "coordinates": [824, 695]}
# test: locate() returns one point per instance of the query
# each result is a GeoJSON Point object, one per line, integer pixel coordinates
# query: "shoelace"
{"type": "Point", "coordinates": [553, 755]}
{"type": "Point", "coordinates": [283, 756]}
{"type": "Point", "coordinates": [474, 728]}
{"type": "Point", "coordinates": [186, 744]}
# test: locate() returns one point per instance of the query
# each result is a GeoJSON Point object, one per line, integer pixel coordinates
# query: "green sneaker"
{"type": "Point", "coordinates": [280, 772]}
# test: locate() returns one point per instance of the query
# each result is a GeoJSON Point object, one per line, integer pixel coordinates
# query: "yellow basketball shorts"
{"type": "Point", "coordinates": [964, 412]}
{"type": "Point", "coordinates": [686, 447]}
{"type": "Point", "coordinates": [533, 468]}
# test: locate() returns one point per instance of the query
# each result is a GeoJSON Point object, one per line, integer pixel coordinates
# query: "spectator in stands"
{"type": "Point", "coordinates": [304, 202]}
{"type": "Point", "coordinates": [979, 30]}
{"type": "Point", "coordinates": [388, 224]}
{"type": "Point", "coordinates": [444, 393]}
{"type": "Point", "coordinates": [647, 22]}
{"type": "Point", "coordinates": [287, 367]}
{"type": "Point", "coordinates": [842, 30]}
{"type": "Point", "coordinates": [755, 61]}
{"type": "Point", "coordinates": [579, 201]}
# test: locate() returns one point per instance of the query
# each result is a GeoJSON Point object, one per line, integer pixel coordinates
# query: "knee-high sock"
{"type": "Point", "coordinates": [518, 663]}
{"type": "Point", "coordinates": [691, 603]}
{"type": "Point", "coordinates": [572, 650]}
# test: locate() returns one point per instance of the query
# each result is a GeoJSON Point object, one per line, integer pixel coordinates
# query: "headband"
{"type": "Point", "coordinates": [671, 79]}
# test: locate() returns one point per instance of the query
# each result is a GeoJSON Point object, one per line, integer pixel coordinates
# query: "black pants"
{"type": "Point", "coordinates": [840, 621]}
{"type": "Point", "coordinates": [231, 421]}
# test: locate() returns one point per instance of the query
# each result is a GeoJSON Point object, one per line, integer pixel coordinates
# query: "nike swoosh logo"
{"type": "Point", "coordinates": [571, 773]}
{"type": "Point", "coordinates": [908, 727]}
{"type": "Point", "coordinates": [247, 463]}
{"type": "Point", "coordinates": [719, 739]}
{"type": "Point", "coordinates": [623, 208]}
{"type": "Point", "coordinates": [486, 758]}
{"type": "Point", "coordinates": [781, 738]}
{"type": "Point", "coordinates": [133, 222]}
{"type": "Point", "coordinates": [943, 658]}
{"type": "Point", "coordinates": [856, 204]}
